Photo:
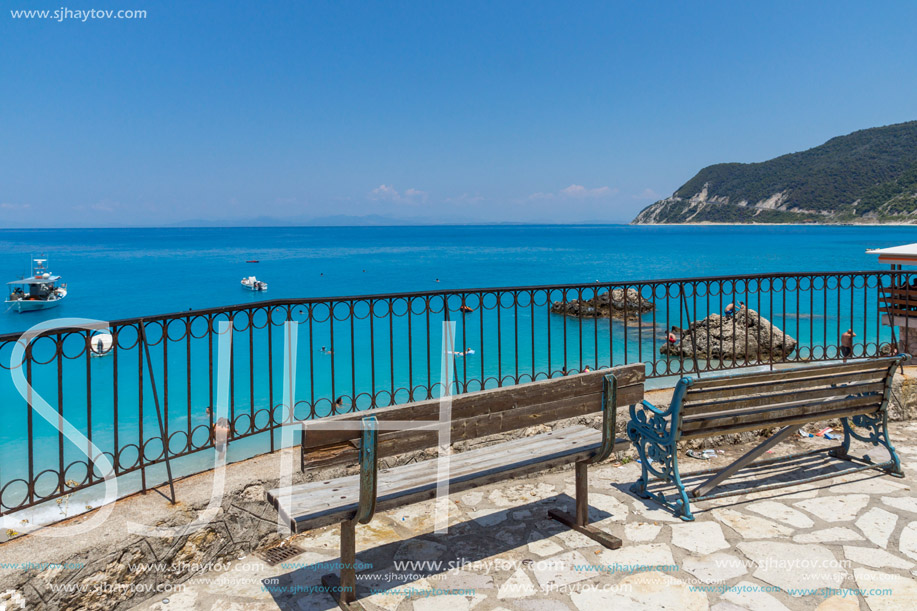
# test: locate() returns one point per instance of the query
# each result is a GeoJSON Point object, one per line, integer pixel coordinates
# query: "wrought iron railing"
{"type": "Point", "coordinates": [358, 353]}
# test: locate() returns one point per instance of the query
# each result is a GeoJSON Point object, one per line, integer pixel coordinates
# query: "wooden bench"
{"type": "Point", "coordinates": [367, 437]}
{"type": "Point", "coordinates": [857, 393]}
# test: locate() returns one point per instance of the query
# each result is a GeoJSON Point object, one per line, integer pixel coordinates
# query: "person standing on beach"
{"type": "Point", "coordinates": [847, 344]}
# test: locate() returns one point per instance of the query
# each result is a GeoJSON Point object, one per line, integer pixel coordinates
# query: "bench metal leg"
{"type": "Point", "coordinates": [580, 522]}
{"type": "Point", "coordinates": [876, 426]}
{"type": "Point", "coordinates": [654, 433]}
{"type": "Point", "coordinates": [659, 460]}
{"type": "Point", "coordinates": [344, 589]}
{"type": "Point", "coordinates": [582, 494]}
{"type": "Point", "coordinates": [681, 507]}
{"type": "Point", "coordinates": [348, 559]}
{"type": "Point", "coordinates": [747, 458]}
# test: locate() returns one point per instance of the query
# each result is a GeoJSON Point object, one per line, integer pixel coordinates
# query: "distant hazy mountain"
{"type": "Point", "coordinates": [343, 220]}
{"type": "Point", "coordinates": [869, 176]}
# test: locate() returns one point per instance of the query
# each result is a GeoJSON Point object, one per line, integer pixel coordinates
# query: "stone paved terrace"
{"type": "Point", "coordinates": [811, 546]}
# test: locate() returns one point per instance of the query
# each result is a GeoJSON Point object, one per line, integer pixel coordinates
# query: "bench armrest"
{"type": "Point", "coordinates": [650, 422]}
{"type": "Point", "coordinates": [368, 470]}
{"type": "Point", "coordinates": [609, 419]}
{"type": "Point", "coordinates": [647, 405]}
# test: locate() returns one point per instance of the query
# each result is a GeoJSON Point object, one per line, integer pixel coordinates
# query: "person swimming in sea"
{"type": "Point", "coordinates": [220, 433]}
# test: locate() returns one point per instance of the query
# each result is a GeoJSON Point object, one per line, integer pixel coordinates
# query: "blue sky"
{"type": "Point", "coordinates": [460, 111]}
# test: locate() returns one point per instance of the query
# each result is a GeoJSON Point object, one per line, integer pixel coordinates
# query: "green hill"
{"type": "Point", "coordinates": [869, 176]}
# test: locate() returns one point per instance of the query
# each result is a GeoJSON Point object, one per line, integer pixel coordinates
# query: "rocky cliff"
{"type": "Point", "coordinates": [869, 176]}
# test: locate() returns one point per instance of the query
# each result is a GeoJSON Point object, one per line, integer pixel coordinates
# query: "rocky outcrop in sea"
{"type": "Point", "coordinates": [616, 303]}
{"type": "Point", "coordinates": [745, 336]}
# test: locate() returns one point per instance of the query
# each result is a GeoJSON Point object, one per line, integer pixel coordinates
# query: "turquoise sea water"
{"type": "Point", "coordinates": [121, 273]}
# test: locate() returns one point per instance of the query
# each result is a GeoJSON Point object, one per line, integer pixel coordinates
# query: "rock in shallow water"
{"type": "Point", "coordinates": [616, 303]}
{"type": "Point", "coordinates": [747, 335]}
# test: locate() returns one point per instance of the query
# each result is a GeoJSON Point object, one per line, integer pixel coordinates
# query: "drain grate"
{"type": "Point", "coordinates": [276, 555]}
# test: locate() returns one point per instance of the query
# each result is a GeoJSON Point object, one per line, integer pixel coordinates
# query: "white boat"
{"type": "Point", "coordinates": [39, 291]}
{"type": "Point", "coordinates": [253, 284]}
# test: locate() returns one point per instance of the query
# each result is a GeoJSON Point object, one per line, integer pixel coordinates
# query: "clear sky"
{"type": "Point", "coordinates": [445, 111]}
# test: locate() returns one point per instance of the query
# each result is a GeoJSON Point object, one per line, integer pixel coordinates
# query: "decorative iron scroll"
{"type": "Point", "coordinates": [654, 433]}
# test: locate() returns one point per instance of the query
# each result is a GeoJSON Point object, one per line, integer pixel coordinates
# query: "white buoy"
{"type": "Point", "coordinates": [100, 344]}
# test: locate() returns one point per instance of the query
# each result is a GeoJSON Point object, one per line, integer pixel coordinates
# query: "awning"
{"type": "Point", "coordinates": [33, 280]}
{"type": "Point", "coordinates": [896, 255]}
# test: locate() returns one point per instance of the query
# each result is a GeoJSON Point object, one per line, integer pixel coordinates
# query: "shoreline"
{"type": "Point", "coordinates": [713, 224]}
{"type": "Point", "coordinates": [214, 228]}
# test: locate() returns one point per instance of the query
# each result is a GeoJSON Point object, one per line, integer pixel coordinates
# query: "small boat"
{"type": "Point", "coordinates": [253, 284]}
{"type": "Point", "coordinates": [100, 344]}
{"type": "Point", "coordinates": [252, 261]}
{"type": "Point", "coordinates": [39, 291]}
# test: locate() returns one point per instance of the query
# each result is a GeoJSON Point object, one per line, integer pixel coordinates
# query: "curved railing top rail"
{"type": "Point", "coordinates": [295, 301]}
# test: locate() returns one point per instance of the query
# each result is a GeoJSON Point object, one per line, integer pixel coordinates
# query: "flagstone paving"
{"type": "Point", "coordinates": [835, 545]}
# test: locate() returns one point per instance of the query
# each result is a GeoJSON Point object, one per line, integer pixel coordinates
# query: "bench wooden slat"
{"type": "Point", "coordinates": [494, 423]}
{"type": "Point", "coordinates": [314, 504]}
{"type": "Point", "coordinates": [303, 497]}
{"type": "Point", "coordinates": [709, 407]}
{"type": "Point", "coordinates": [400, 442]}
{"type": "Point", "coordinates": [789, 374]}
{"type": "Point", "coordinates": [895, 311]}
{"type": "Point", "coordinates": [483, 402]}
{"type": "Point", "coordinates": [520, 417]}
{"type": "Point", "coordinates": [898, 296]}
{"type": "Point", "coordinates": [900, 299]}
{"type": "Point", "coordinates": [895, 289]}
{"type": "Point", "coordinates": [777, 383]}
{"type": "Point", "coordinates": [777, 412]}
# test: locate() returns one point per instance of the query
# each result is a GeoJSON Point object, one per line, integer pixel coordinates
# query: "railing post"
{"type": "Point", "coordinates": [162, 433]}
{"type": "Point", "coordinates": [684, 299]}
